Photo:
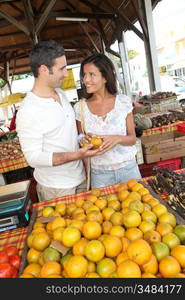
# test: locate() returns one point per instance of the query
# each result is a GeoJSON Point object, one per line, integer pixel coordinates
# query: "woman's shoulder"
{"type": "Point", "coordinates": [124, 99]}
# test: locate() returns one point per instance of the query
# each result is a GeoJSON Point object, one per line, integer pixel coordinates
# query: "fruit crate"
{"type": "Point", "coordinates": [171, 164]}
{"type": "Point", "coordinates": [181, 127]}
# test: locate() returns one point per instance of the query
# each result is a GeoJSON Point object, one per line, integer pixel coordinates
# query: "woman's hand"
{"type": "Point", "coordinates": [110, 141]}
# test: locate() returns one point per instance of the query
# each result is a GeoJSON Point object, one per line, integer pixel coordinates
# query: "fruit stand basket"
{"type": "Point", "coordinates": [37, 216]}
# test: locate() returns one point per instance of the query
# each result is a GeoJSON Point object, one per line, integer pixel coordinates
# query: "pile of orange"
{"type": "Point", "coordinates": [126, 234]}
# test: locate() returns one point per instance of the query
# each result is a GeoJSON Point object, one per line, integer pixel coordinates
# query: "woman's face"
{"type": "Point", "coordinates": [93, 79]}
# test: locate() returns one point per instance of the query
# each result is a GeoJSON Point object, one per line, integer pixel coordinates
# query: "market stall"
{"type": "Point", "coordinates": [111, 199]}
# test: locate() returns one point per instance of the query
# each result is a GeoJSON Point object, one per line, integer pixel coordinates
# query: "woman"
{"type": "Point", "coordinates": [108, 115]}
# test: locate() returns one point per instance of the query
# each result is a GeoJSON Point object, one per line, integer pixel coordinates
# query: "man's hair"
{"type": "Point", "coordinates": [106, 68]}
{"type": "Point", "coordinates": [45, 53]}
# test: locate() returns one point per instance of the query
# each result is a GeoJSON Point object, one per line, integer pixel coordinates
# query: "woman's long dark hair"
{"type": "Point", "coordinates": [106, 67]}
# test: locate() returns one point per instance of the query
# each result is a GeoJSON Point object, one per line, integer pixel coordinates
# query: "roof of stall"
{"type": "Point", "coordinates": [24, 22]}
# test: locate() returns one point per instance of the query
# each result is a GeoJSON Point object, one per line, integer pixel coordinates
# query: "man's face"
{"type": "Point", "coordinates": [58, 72]}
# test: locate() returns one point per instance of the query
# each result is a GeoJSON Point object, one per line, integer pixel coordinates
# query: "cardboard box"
{"type": "Point", "coordinates": [163, 146]}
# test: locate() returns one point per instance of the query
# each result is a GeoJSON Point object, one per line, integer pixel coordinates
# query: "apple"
{"type": "Point", "coordinates": [179, 230]}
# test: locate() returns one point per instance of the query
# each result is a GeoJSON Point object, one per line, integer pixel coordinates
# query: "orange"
{"type": "Point", "coordinates": [96, 141]}
{"type": "Point", "coordinates": [152, 236]}
{"type": "Point", "coordinates": [106, 267]}
{"type": "Point", "coordinates": [57, 234]}
{"type": "Point", "coordinates": [111, 197]}
{"type": "Point", "coordinates": [136, 205]}
{"type": "Point", "coordinates": [38, 224]}
{"type": "Point", "coordinates": [167, 218]}
{"type": "Point", "coordinates": [121, 257]}
{"type": "Point", "coordinates": [136, 187]}
{"type": "Point", "coordinates": [70, 209]}
{"type": "Point", "coordinates": [122, 186]}
{"type": "Point", "coordinates": [164, 228]}
{"type": "Point", "coordinates": [96, 192]}
{"type": "Point", "coordinates": [128, 269]}
{"type": "Point", "coordinates": [169, 266]}
{"type": "Point", "coordinates": [113, 246]}
{"type": "Point", "coordinates": [78, 210]}
{"type": "Point", "coordinates": [47, 211]}
{"type": "Point", "coordinates": [79, 247]}
{"type": "Point", "coordinates": [87, 204]}
{"type": "Point", "coordinates": [124, 210]}
{"type": "Point", "coordinates": [149, 216]}
{"type": "Point", "coordinates": [30, 239]}
{"type": "Point", "coordinates": [91, 230]}
{"type": "Point", "coordinates": [146, 197]}
{"type": "Point", "coordinates": [61, 208]}
{"type": "Point", "coordinates": [123, 194]}
{"type": "Point", "coordinates": [126, 202]}
{"type": "Point", "coordinates": [79, 202]}
{"type": "Point", "coordinates": [151, 266]}
{"type": "Point", "coordinates": [41, 241]}
{"type": "Point", "coordinates": [70, 236]}
{"type": "Point", "coordinates": [143, 191]}
{"type": "Point", "coordinates": [80, 217]}
{"type": "Point", "coordinates": [94, 251]}
{"type": "Point", "coordinates": [33, 255]}
{"type": "Point", "coordinates": [115, 204]}
{"type": "Point", "coordinates": [91, 267]}
{"type": "Point", "coordinates": [131, 219]}
{"type": "Point", "coordinates": [171, 239]}
{"type": "Point", "coordinates": [50, 268]}
{"type": "Point", "coordinates": [103, 237]}
{"type": "Point", "coordinates": [107, 212]}
{"type": "Point", "coordinates": [125, 242]}
{"type": "Point", "coordinates": [77, 224]}
{"type": "Point", "coordinates": [133, 233]}
{"type": "Point", "coordinates": [159, 209]}
{"type": "Point", "coordinates": [101, 203]}
{"type": "Point", "coordinates": [92, 208]}
{"type": "Point", "coordinates": [33, 269]}
{"type": "Point", "coordinates": [76, 267]}
{"type": "Point", "coordinates": [106, 226]}
{"type": "Point", "coordinates": [117, 230]}
{"type": "Point", "coordinates": [178, 252]}
{"type": "Point", "coordinates": [131, 182]}
{"type": "Point", "coordinates": [53, 276]}
{"type": "Point", "coordinates": [55, 214]}
{"type": "Point", "coordinates": [116, 218]}
{"type": "Point", "coordinates": [139, 251]}
{"type": "Point", "coordinates": [152, 202]}
{"type": "Point", "coordinates": [95, 215]}
{"type": "Point", "coordinates": [26, 275]}
{"type": "Point", "coordinates": [38, 229]}
{"type": "Point", "coordinates": [146, 226]}
{"type": "Point", "coordinates": [148, 275]}
{"type": "Point", "coordinates": [92, 275]}
{"type": "Point", "coordinates": [134, 196]}
{"type": "Point", "coordinates": [178, 275]}
{"type": "Point", "coordinates": [92, 198]}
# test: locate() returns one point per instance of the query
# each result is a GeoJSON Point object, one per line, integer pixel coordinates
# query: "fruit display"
{"type": "Point", "coordinates": [127, 233]}
{"type": "Point", "coordinates": [171, 183]}
{"type": "Point", "coordinates": [167, 118]}
{"type": "Point", "coordinates": [10, 149]}
{"type": "Point", "coordinates": [9, 262]}
{"type": "Point", "coordinates": [157, 96]}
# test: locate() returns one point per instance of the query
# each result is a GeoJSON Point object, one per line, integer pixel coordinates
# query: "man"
{"type": "Point", "coordinates": [47, 129]}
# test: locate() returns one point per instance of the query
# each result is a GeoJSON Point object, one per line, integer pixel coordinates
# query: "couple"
{"type": "Point", "coordinates": [46, 125]}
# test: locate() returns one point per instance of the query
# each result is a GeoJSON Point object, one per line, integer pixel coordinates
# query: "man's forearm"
{"type": "Point", "coordinates": [60, 158]}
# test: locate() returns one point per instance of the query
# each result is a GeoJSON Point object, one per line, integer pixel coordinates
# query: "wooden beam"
{"type": "Point", "coordinates": [29, 16]}
{"type": "Point", "coordinates": [92, 6]}
{"type": "Point", "coordinates": [89, 36]}
{"type": "Point", "coordinates": [13, 21]}
{"type": "Point", "coordinates": [44, 17]}
{"type": "Point", "coordinates": [126, 20]}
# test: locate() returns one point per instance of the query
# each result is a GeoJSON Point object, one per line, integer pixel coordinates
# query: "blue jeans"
{"type": "Point", "coordinates": [101, 178]}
